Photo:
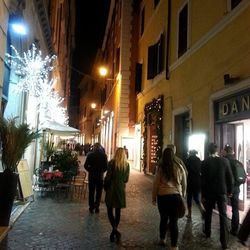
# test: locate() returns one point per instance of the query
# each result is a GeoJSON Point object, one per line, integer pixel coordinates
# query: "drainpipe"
{"type": "Point", "coordinates": [168, 40]}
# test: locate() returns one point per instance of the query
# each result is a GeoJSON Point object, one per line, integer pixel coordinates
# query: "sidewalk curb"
{"type": "Point", "coordinates": [14, 216]}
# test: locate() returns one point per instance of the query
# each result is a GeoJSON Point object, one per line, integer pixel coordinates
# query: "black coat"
{"type": "Point", "coordinates": [193, 165]}
{"type": "Point", "coordinates": [96, 164]}
{"type": "Point", "coordinates": [233, 166]}
{"type": "Point", "coordinates": [216, 177]}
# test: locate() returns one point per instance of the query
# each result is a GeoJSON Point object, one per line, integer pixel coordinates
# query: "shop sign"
{"type": "Point", "coordinates": [233, 108]}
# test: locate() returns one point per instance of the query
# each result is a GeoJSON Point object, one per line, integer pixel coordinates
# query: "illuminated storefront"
{"type": "Point", "coordinates": [232, 126]}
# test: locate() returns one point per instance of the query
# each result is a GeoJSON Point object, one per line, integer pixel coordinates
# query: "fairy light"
{"type": "Point", "coordinates": [33, 71]}
{"type": "Point", "coordinates": [50, 105]}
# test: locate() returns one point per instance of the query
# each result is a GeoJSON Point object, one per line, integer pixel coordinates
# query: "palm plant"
{"type": "Point", "coordinates": [15, 138]}
{"type": "Point", "coordinates": [49, 149]}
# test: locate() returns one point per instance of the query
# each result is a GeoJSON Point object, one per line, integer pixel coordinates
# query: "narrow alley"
{"type": "Point", "coordinates": [52, 223]}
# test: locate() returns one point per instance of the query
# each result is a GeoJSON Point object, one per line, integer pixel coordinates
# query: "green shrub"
{"type": "Point", "coordinates": [65, 161]}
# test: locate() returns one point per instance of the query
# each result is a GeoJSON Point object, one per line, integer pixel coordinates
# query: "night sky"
{"type": "Point", "coordinates": [91, 19]}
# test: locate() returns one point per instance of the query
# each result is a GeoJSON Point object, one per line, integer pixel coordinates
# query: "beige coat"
{"type": "Point", "coordinates": [163, 187]}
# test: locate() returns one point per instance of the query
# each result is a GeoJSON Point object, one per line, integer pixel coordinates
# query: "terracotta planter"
{"type": "Point", "coordinates": [8, 189]}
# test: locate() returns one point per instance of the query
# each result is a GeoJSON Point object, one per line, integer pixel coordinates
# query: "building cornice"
{"type": "Point", "coordinates": [111, 10]}
{"type": "Point", "coordinates": [45, 25]}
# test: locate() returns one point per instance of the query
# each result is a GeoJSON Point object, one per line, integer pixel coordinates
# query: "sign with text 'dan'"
{"type": "Point", "coordinates": [25, 179]}
{"type": "Point", "coordinates": [233, 107]}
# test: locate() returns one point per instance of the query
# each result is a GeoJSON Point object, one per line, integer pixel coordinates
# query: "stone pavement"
{"type": "Point", "coordinates": [52, 223]}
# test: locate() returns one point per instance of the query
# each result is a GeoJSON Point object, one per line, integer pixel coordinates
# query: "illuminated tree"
{"type": "Point", "coordinates": [34, 72]}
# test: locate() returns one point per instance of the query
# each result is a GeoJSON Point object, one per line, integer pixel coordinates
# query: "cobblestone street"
{"type": "Point", "coordinates": [52, 223]}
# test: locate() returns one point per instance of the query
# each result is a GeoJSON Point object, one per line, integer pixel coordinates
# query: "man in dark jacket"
{"type": "Point", "coordinates": [96, 165]}
{"type": "Point", "coordinates": [193, 165]}
{"type": "Point", "coordinates": [216, 185]}
{"type": "Point", "coordinates": [236, 191]}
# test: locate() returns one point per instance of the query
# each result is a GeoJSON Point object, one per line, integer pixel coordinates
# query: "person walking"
{"type": "Point", "coordinates": [96, 165]}
{"type": "Point", "coordinates": [176, 158]}
{"type": "Point", "coordinates": [244, 231]}
{"type": "Point", "coordinates": [229, 154]}
{"type": "Point", "coordinates": [168, 187]}
{"type": "Point", "coordinates": [114, 183]}
{"type": "Point", "coordinates": [193, 165]}
{"type": "Point", "coordinates": [216, 185]}
{"type": "Point", "coordinates": [126, 151]}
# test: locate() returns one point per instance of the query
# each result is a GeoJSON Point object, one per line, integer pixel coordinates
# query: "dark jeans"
{"type": "Point", "coordinates": [235, 210]}
{"type": "Point", "coordinates": [244, 231]}
{"type": "Point", "coordinates": [167, 205]}
{"type": "Point", "coordinates": [193, 195]}
{"type": "Point", "coordinates": [95, 193]}
{"type": "Point", "coordinates": [221, 201]}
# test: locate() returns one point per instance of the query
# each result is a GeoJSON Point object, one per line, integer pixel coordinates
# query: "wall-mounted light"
{"type": "Point", "coordinates": [230, 79]}
{"type": "Point", "coordinates": [106, 112]}
{"type": "Point", "coordinates": [18, 25]}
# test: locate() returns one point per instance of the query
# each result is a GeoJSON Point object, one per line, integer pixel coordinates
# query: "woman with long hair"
{"type": "Point", "coordinates": [114, 184]}
{"type": "Point", "coordinates": [168, 187]}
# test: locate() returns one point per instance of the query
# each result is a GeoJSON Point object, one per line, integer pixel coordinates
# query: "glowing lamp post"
{"type": "Point", "coordinates": [93, 105]}
{"type": "Point", "coordinates": [103, 71]}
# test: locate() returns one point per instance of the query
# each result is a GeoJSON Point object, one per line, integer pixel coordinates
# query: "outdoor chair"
{"type": "Point", "coordinates": [64, 185]}
{"type": "Point", "coordinates": [41, 184]}
{"type": "Point", "coordinates": [79, 185]}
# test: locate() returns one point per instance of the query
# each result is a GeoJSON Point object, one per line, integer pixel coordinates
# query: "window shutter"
{"type": "Point", "coordinates": [183, 31]}
{"type": "Point", "coordinates": [152, 61]}
{"type": "Point", "coordinates": [161, 54]}
{"type": "Point", "coordinates": [138, 77]}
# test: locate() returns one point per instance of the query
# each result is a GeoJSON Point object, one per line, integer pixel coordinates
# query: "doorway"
{"type": "Point", "coordinates": [237, 135]}
{"type": "Point", "coordinates": [181, 134]}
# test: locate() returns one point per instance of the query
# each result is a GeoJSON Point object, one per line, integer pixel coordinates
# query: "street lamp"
{"type": "Point", "coordinates": [103, 71]}
{"type": "Point", "coordinates": [93, 105]}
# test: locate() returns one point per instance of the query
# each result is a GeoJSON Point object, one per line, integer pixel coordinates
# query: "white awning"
{"type": "Point", "coordinates": [60, 129]}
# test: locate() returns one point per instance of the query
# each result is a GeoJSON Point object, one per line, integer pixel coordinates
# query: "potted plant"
{"type": "Point", "coordinates": [15, 138]}
{"type": "Point", "coordinates": [48, 151]}
{"type": "Point", "coordinates": [66, 162]}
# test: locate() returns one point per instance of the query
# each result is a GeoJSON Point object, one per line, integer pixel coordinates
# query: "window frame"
{"type": "Point", "coordinates": [229, 5]}
{"type": "Point", "coordinates": [142, 21]}
{"type": "Point", "coordinates": [187, 2]}
{"type": "Point", "coordinates": [156, 55]}
{"type": "Point", "coordinates": [156, 2]}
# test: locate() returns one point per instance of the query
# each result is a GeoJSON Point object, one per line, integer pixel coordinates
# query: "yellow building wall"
{"type": "Point", "coordinates": [155, 25]}
{"type": "Point", "coordinates": [212, 12]}
{"type": "Point", "coordinates": [200, 71]}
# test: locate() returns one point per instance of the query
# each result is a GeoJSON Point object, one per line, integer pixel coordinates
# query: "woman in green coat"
{"type": "Point", "coordinates": [114, 185]}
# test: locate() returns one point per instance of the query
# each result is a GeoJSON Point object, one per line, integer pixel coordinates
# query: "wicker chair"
{"type": "Point", "coordinates": [79, 185]}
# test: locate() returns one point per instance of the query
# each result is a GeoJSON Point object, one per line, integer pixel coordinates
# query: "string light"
{"type": "Point", "coordinates": [154, 107]}
{"type": "Point", "coordinates": [32, 69]}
